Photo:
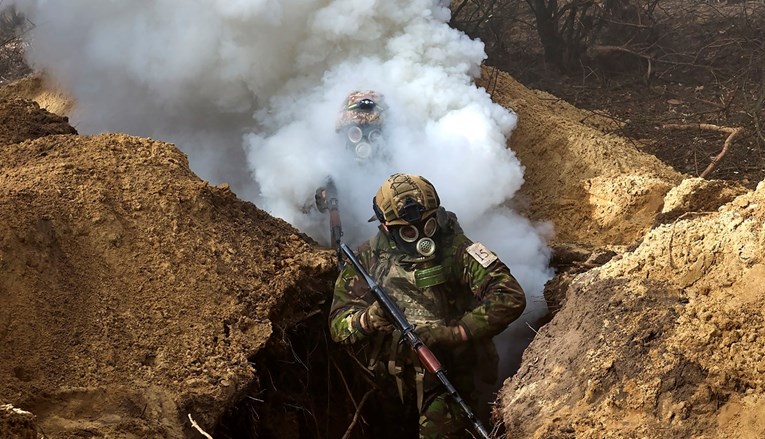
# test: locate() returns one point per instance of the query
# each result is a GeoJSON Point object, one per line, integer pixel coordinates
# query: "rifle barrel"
{"type": "Point", "coordinates": [335, 225]}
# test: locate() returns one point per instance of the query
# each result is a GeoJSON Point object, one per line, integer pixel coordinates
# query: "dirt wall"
{"type": "Point", "coordinates": [663, 341]}
{"type": "Point", "coordinates": [595, 188]}
{"type": "Point", "coordinates": [133, 292]}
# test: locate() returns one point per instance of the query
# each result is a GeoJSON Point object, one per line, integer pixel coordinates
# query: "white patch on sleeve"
{"type": "Point", "coordinates": [480, 253]}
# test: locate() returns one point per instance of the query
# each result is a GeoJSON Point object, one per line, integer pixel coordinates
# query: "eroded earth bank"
{"type": "Point", "coordinates": [137, 297]}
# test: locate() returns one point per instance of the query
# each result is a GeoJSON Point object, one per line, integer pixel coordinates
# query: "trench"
{"type": "Point", "coordinates": [308, 386]}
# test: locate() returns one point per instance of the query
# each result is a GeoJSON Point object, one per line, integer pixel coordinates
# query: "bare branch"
{"type": "Point", "coordinates": [626, 24]}
{"type": "Point", "coordinates": [198, 428]}
{"type": "Point", "coordinates": [357, 414]}
{"type": "Point", "coordinates": [732, 132]}
{"type": "Point", "coordinates": [345, 383]}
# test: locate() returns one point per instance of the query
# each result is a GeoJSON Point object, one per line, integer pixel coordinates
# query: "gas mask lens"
{"type": "Point", "coordinates": [374, 136]}
{"type": "Point", "coordinates": [409, 233]}
{"type": "Point", "coordinates": [355, 134]}
{"type": "Point", "coordinates": [430, 227]}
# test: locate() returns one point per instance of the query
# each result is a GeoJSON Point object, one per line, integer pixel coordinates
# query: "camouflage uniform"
{"type": "Point", "coordinates": [484, 300]}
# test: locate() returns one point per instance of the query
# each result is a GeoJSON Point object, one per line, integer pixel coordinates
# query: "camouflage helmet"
{"type": "Point", "coordinates": [405, 198]}
{"type": "Point", "coordinates": [364, 107]}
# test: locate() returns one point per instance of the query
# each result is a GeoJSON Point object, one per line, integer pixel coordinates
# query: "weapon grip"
{"type": "Point", "coordinates": [428, 359]}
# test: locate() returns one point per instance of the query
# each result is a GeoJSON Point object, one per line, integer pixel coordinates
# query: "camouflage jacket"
{"type": "Point", "coordinates": [478, 291]}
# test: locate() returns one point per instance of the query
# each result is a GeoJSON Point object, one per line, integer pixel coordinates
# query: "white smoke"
{"type": "Point", "coordinates": [250, 90]}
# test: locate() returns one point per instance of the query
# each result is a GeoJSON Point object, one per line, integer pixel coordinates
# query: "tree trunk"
{"type": "Point", "coordinates": [548, 31]}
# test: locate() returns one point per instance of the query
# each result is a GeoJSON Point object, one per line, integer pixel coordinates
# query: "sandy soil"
{"type": "Point", "coordinates": [136, 294]}
{"type": "Point", "coordinates": [133, 292]}
{"type": "Point", "coordinates": [664, 340]}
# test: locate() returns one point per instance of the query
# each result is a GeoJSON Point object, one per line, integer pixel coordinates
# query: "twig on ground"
{"type": "Point", "coordinates": [357, 414]}
{"type": "Point", "coordinates": [198, 428]}
{"type": "Point", "coordinates": [368, 374]}
{"type": "Point", "coordinates": [309, 315]}
{"type": "Point", "coordinates": [535, 331]}
{"type": "Point", "coordinates": [757, 113]}
{"type": "Point", "coordinates": [732, 132]}
{"type": "Point", "coordinates": [619, 122]}
{"type": "Point", "coordinates": [345, 383]}
{"type": "Point", "coordinates": [496, 428]}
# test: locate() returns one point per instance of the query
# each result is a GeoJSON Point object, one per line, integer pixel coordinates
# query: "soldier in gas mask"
{"type": "Point", "coordinates": [360, 123]}
{"type": "Point", "coordinates": [457, 294]}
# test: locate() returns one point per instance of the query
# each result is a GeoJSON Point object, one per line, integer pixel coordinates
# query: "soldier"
{"type": "Point", "coordinates": [360, 121]}
{"type": "Point", "coordinates": [456, 293]}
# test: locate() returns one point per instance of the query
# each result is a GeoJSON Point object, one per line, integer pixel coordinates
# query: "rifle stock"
{"type": "Point", "coordinates": [426, 356]}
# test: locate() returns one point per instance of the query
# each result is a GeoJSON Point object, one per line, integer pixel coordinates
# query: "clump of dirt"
{"type": "Point", "coordinates": [698, 195]}
{"type": "Point", "coordinates": [21, 119]}
{"type": "Point", "coordinates": [16, 423]}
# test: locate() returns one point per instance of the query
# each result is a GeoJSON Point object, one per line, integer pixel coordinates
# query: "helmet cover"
{"type": "Point", "coordinates": [364, 107]}
{"type": "Point", "coordinates": [404, 199]}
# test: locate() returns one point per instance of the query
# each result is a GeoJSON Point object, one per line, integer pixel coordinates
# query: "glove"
{"type": "Point", "coordinates": [439, 335]}
{"type": "Point", "coordinates": [320, 197]}
{"type": "Point", "coordinates": [373, 319]}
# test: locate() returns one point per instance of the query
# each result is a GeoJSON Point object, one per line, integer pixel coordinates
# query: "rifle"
{"type": "Point", "coordinates": [426, 356]}
{"type": "Point", "coordinates": [335, 226]}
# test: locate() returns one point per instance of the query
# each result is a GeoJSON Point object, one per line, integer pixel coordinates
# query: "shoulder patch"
{"type": "Point", "coordinates": [480, 253]}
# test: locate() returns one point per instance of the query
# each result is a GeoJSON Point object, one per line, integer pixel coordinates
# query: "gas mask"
{"type": "Point", "coordinates": [364, 140]}
{"type": "Point", "coordinates": [417, 239]}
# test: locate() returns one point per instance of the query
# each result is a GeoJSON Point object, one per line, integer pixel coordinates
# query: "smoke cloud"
{"type": "Point", "coordinates": [250, 90]}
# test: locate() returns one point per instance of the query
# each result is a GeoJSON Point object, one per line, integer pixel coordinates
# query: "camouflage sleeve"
{"type": "Point", "coordinates": [501, 297]}
{"type": "Point", "coordinates": [351, 297]}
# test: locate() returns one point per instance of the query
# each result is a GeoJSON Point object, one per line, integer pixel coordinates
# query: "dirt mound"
{"type": "Point", "coordinates": [595, 188]}
{"type": "Point", "coordinates": [133, 292]}
{"type": "Point", "coordinates": [662, 341]}
{"type": "Point", "coordinates": [665, 341]}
